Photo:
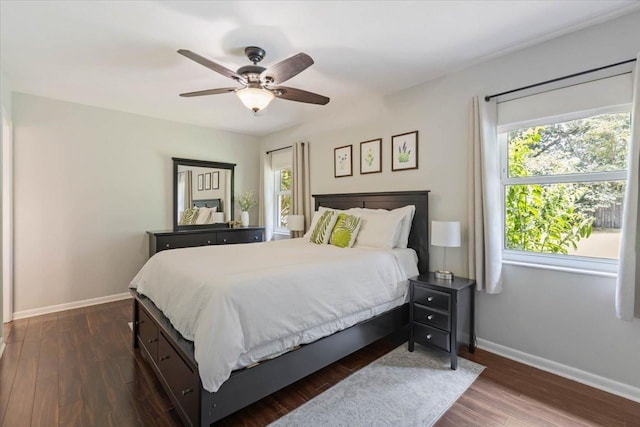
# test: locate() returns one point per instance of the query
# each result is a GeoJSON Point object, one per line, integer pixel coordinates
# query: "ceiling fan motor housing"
{"type": "Point", "coordinates": [254, 53]}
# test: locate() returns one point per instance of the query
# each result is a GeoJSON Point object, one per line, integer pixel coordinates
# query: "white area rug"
{"type": "Point", "coordinates": [399, 389]}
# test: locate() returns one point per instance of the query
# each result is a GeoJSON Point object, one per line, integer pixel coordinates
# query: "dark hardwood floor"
{"type": "Point", "coordinates": [77, 368]}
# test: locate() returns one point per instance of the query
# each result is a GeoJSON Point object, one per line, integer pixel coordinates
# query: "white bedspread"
{"type": "Point", "coordinates": [265, 297]}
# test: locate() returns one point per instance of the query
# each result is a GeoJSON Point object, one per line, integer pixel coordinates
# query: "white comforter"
{"type": "Point", "coordinates": [233, 299]}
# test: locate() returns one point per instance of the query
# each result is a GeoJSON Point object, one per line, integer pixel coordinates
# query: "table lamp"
{"type": "Point", "coordinates": [445, 234]}
{"type": "Point", "coordinates": [295, 222]}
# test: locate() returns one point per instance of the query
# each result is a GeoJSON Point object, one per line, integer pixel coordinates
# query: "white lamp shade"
{"type": "Point", "coordinates": [445, 233]}
{"type": "Point", "coordinates": [295, 222]}
{"type": "Point", "coordinates": [255, 99]}
{"type": "Point", "coordinates": [218, 217]}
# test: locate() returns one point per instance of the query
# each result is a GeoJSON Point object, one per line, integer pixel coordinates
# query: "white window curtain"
{"type": "Point", "coordinates": [300, 186]}
{"type": "Point", "coordinates": [265, 210]}
{"type": "Point", "coordinates": [484, 206]}
{"type": "Point", "coordinates": [628, 282]}
{"type": "Point", "coordinates": [185, 196]}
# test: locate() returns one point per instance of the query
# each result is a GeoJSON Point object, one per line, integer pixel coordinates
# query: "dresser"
{"type": "Point", "coordinates": [162, 240]}
{"type": "Point", "coordinates": [442, 314]}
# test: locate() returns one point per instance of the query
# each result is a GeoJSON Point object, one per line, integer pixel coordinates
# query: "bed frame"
{"type": "Point", "coordinates": [172, 357]}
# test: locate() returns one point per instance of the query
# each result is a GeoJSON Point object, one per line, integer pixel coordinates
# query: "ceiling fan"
{"type": "Point", "coordinates": [259, 84]}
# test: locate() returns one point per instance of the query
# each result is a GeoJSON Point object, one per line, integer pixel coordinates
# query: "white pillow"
{"type": "Point", "coordinates": [203, 216]}
{"type": "Point", "coordinates": [405, 229]}
{"type": "Point", "coordinates": [402, 237]}
{"type": "Point", "coordinates": [378, 231]}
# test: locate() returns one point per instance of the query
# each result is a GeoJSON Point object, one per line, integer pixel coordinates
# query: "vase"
{"type": "Point", "coordinates": [244, 219]}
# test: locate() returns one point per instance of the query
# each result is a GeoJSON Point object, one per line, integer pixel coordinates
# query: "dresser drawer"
{"type": "Point", "coordinates": [183, 382]}
{"type": "Point", "coordinates": [429, 317]}
{"type": "Point", "coordinates": [239, 236]}
{"type": "Point", "coordinates": [427, 335]}
{"type": "Point", "coordinates": [148, 333]}
{"type": "Point", "coordinates": [430, 298]}
{"type": "Point", "coordinates": [185, 241]}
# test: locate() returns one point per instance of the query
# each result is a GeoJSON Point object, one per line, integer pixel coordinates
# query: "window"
{"type": "Point", "coordinates": [563, 184]}
{"type": "Point", "coordinates": [282, 203]}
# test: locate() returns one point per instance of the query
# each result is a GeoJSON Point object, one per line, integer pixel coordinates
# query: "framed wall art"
{"type": "Point", "coordinates": [207, 181]}
{"type": "Point", "coordinates": [200, 182]}
{"type": "Point", "coordinates": [342, 163]}
{"type": "Point", "coordinates": [215, 184]}
{"type": "Point", "coordinates": [404, 151]}
{"type": "Point", "coordinates": [371, 156]}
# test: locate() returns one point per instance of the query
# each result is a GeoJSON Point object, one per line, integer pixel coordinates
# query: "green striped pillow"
{"type": "Point", "coordinates": [189, 216]}
{"type": "Point", "coordinates": [345, 231]}
{"type": "Point", "coordinates": [322, 231]}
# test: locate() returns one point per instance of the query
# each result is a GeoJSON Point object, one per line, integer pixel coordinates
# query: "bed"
{"type": "Point", "coordinates": [173, 357]}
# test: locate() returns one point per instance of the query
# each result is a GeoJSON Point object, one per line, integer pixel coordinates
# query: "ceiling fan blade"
{"type": "Point", "coordinates": [293, 94]}
{"type": "Point", "coordinates": [284, 70]}
{"type": "Point", "coordinates": [209, 92]}
{"type": "Point", "coordinates": [211, 65]}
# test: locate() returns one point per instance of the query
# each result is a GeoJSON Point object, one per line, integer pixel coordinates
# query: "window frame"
{"type": "Point", "coordinates": [571, 263]}
{"type": "Point", "coordinates": [277, 176]}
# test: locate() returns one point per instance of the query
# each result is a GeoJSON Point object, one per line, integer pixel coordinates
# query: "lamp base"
{"type": "Point", "coordinates": [443, 275]}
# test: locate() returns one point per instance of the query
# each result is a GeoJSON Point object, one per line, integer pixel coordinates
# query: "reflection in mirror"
{"type": "Point", "coordinates": [203, 194]}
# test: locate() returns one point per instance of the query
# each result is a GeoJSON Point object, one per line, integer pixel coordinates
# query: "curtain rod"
{"type": "Point", "coordinates": [593, 70]}
{"type": "Point", "coordinates": [278, 149]}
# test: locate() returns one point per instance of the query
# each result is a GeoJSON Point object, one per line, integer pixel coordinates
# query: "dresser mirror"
{"type": "Point", "coordinates": [202, 194]}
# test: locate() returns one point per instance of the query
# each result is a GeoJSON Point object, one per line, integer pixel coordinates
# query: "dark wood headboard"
{"type": "Point", "coordinates": [419, 236]}
{"type": "Point", "coordinates": [209, 203]}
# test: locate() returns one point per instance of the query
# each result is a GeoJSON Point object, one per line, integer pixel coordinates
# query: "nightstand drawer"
{"type": "Point", "coordinates": [431, 298]}
{"type": "Point", "coordinates": [426, 335]}
{"type": "Point", "coordinates": [431, 317]}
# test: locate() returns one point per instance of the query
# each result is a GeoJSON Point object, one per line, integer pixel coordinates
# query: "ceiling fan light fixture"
{"type": "Point", "coordinates": [254, 98]}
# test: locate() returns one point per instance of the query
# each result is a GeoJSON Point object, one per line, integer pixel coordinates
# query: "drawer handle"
{"type": "Point", "coordinates": [167, 245]}
{"type": "Point", "coordinates": [255, 237]}
{"type": "Point", "coordinates": [208, 242]}
{"type": "Point", "coordinates": [224, 240]}
{"type": "Point", "coordinates": [187, 391]}
{"type": "Point", "coordinates": [430, 299]}
{"type": "Point", "coordinates": [430, 317]}
{"type": "Point", "coordinates": [152, 340]}
{"type": "Point", "coordinates": [428, 336]}
{"type": "Point", "coordinates": [139, 322]}
{"type": "Point", "coordinates": [162, 358]}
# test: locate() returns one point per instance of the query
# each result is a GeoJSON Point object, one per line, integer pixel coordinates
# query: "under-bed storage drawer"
{"type": "Point", "coordinates": [148, 333]}
{"type": "Point", "coordinates": [243, 236]}
{"type": "Point", "coordinates": [181, 379]}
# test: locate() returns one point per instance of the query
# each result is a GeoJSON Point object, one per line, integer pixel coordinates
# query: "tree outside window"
{"type": "Point", "coordinates": [283, 199]}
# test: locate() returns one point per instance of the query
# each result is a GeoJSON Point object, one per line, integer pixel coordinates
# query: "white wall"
{"type": "Point", "coordinates": [5, 161]}
{"type": "Point", "coordinates": [88, 183]}
{"type": "Point", "coordinates": [567, 318]}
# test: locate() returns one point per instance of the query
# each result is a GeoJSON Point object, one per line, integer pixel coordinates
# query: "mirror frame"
{"type": "Point", "coordinates": [203, 164]}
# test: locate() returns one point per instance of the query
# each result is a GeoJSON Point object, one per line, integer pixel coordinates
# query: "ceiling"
{"type": "Point", "coordinates": [122, 55]}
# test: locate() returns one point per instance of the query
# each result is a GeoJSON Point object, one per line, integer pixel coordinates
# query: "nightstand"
{"type": "Point", "coordinates": [442, 314]}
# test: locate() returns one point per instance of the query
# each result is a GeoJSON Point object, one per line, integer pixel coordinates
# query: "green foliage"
{"type": "Point", "coordinates": [246, 201]}
{"type": "Point", "coordinates": [541, 218]}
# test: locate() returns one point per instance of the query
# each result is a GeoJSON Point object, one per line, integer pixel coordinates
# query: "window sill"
{"type": "Point", "coordinates": [560, 268]}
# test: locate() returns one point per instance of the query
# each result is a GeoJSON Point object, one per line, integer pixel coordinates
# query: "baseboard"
{"type": "Point", "coordinates": [620, 389]}
{"type": "Point", "coordinates": [69, 305]}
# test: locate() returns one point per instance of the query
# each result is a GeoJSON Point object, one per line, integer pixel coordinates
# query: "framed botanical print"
{"type": "Point", "coordinates": [342, 163]}
{"type": "Point", "coordinates": [207, 181]}
{"type": "Point", "coordinates": [200, 182]}
{"type": "Point", "coordinates": [215, 184]}
{"type": "Point", "coordinates": [371, 156]}
{"type": "Point", "coordinates": [404, 151]}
